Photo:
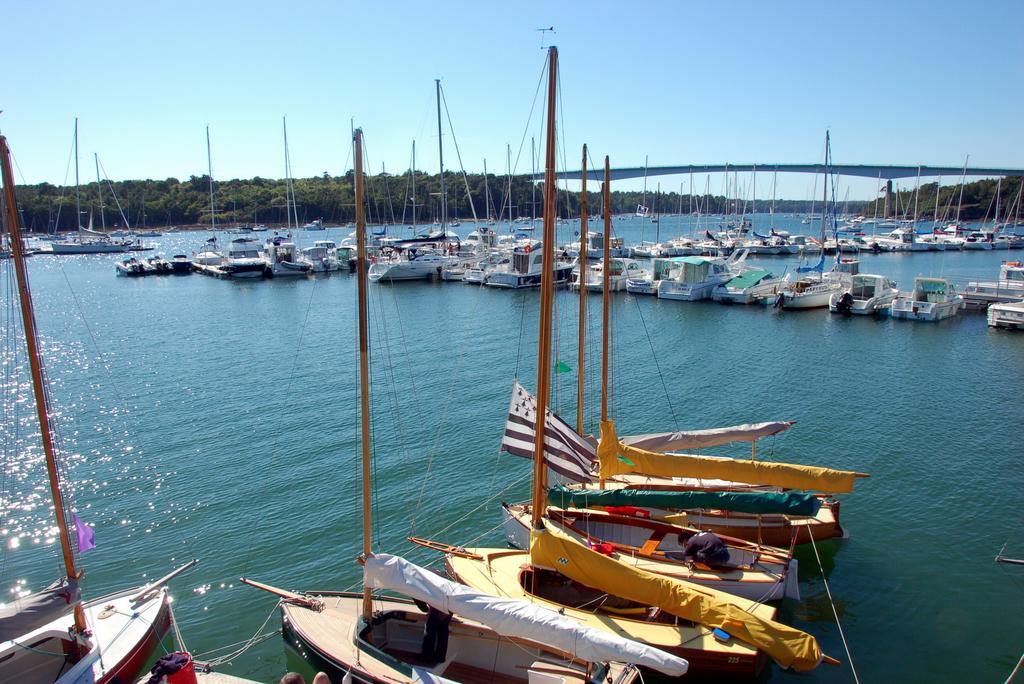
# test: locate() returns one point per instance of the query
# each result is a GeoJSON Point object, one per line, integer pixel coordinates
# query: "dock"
{"type": "Point", "coordinates": [219, 678]}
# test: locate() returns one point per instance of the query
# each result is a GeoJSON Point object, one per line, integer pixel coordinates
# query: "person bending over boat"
{"type": "Point", "coordinates": [705, 547]}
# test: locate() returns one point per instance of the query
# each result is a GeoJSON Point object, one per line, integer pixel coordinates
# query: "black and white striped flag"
{"type": "Point", "coordinates": [565, 451]}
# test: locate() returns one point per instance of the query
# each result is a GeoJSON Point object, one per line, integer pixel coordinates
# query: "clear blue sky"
{"type": "Point", "coordinates": [741, 82]}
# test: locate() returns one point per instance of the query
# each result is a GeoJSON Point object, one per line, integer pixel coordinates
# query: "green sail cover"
{"type": "Point", "coordinates": [790, 503]}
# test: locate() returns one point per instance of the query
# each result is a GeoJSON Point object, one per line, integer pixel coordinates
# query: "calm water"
{"type": "Point", "coordinates": [216, 419]}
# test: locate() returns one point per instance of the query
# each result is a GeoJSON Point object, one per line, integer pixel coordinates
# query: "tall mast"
{"type": "Point", "coordinates": [605, 291]}
{"type": "Point", "coordinates": [289, 200]}
{"type": "Point", "coordinates": [99, 190]}
{"type": "Point", "coordinates": [413, 187]}
{"type": "Point", "coordinates": [605, 298]}
{"type": "Point", "coordinates": [547, 295]}
{"type": "Point", "coordinates": [78, 197]}
{"type": "Point", "coordinates": [209, 166]}
{"type": "Point", "coordinates": [364, 359]}
{"type": "Point", "coordinates": [999, 187]}
{"type": "Point", "coordinates": [583, 294]}
{"type": "Point", "coordinates": [917, 197]}
{"type": "Point", "coordinates": [36, 366]}
{"type": "Point", "coordinates": [824, 198]}
{"type": "Point", "coordinates": [775, 179]}
{"type": "Point", "coordinates": [487, 196]}
{"type": "Point", "coordinates": [533, 184]}
{"type": "Point", "coordinates": [508, 165]}
{"type": "Point", "coordinates": [440, 157]}
{"type": "Point", "coordinates": [963, 177]}
{"type": "Point", "coordinates": [657, 218]}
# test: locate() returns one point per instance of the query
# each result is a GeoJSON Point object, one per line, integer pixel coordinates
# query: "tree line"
{"type": "Point", "coordinates": [391, 199]}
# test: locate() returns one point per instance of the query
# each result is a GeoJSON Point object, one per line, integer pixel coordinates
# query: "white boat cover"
{"type": "Point", "coordinates": [24, 615]}
{"type": "Point", "coordinates": [699, 439]}
{"type": "Point", "coordinates": [514, 617]}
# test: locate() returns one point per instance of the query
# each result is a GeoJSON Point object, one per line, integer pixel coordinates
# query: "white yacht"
{"type": "Point", "coordinates": [693, 278]}
{"type": "Point", "coordinates": [803, 244]}
{"type": "Point", "coordinates": [525, 267]}
{"type": "Point", "coordinates": [315, 224]}
{"type": "Point", "coordinates": [208, 255]}
{"type": "Point", "coordinates": [749, 287]}
{"type": "Point", "coordinates": [933, 299]}
{"type": "Point", "coordinates": [1009, 287]}
{"type": "Point", "coordinates": [593, 281]}
{"type": "Point", "coordinates": [867, 294]}
{"type": "Point", "coordinates": [408, 264]}
{"type": "Point", "coordinates": [94, 244]}
{"type": "Point", "coordinates": [244, 259]}
{"type": "Point", "coordinates": [595, 246]}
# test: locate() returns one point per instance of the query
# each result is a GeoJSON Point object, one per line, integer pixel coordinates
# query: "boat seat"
{"type": "Point", "coordinates": [651, 545]}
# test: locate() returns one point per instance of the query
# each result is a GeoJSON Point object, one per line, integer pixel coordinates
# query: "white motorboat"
{"type": "Point", "coordinates": [867, 294]}
{"type": "Point", "coordinates": [901, 240]}
{"type": "Point", "coordinates": [478, 273]}
{"type": "Point", "coordinates": [315, 224]}
{"type": "Point", "coordinates": [1006, 315]}
{"type": "Point", "coordinates": [132, 267]}
{"type": "Point", "coordinates": [410, 264]}
{"type": "Point", "coordinates": [981, 240]}
{"type": "Point", "coordinates": [593, 280]}
{"type": "Point", "coordinates": [803, 245]}
{"type": "Point", "coordinates": [244, 259]}
{"type": "Point", "coordinates": [595, 246]}
{"type": "Point", "coordinates": [693, 278]}
{"type": "Point", "coordinates": [322, 257]}
{"type": "Point", "coordinates": [933, 299]}
{"type": "Point", "coordinates": [524, 268]}
{"type": "Point", "coordinates": [282, 259]}
{"type": "Point", "coordinates": [646, 282]}
{"type": "Point", "coordinates": [749, 287]}
{"type": "Point", "coordinates": [1009, 287]}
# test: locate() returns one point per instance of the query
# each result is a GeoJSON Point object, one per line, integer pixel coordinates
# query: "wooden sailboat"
{"type": "Point", "coordinates": [446, 630]}
{"type": "Point", "coordinates": [721, 635]}
{"type": "Point", "coordinates": [54, 636]}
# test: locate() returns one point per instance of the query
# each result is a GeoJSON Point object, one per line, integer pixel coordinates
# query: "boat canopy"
{"type": "Point", "coordinates": [749, 278]}
{"type": "Point", "coordinates": [789, 647]}
{"type": "Point", "coordinates": [515, 617]}
{"type": "Point", "coordinates": [816, 268]}
{"type": "Point", "coordinates": [702, 439]}
{"type": "Point", "coordinates": [31, 612]}
{"type": "Point", "coordinates": [788, 503]}
{"type": "Point", "coordinates": [619, 458]}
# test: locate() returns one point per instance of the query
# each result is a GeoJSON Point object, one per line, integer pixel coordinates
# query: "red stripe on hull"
{"type": "Point", "coordinates": [129, 669]}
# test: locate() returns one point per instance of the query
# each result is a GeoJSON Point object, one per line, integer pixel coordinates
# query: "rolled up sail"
{"type": "Point", "coordinates": [515, 617]}
{"type": "Point", "coordinates": [759, 503]}
{"type": "Point", "coordinates": [618, 458]}
{"type": "Point", "coordinates": [703, 439]}
{"type": "Point", "coordinates": [714, 609]}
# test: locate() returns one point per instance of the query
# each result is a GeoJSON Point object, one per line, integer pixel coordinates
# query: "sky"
{"type": "Point", "coordinates": [672, 82]}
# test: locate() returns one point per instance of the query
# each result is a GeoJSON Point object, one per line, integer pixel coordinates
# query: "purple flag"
{"type": "Point", "coordinates": [84, 534]}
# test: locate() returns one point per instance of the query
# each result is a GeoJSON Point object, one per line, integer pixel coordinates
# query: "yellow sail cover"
{"type": "Point", "coordinates": [787, 646]}
{"type": "Point", "coordinates": [617, 458]}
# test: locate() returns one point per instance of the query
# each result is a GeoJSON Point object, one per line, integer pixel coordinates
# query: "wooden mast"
{"type": "Point", "coordinates": [606, 290]}
{"type": "Point", "coordinates": [583, 295]}
{"type": "Point", "coordinates": [36, 365]}
{"type": "Point", "coordinates": [547, 291]}
{"type": "Point", "coordinates": [364, 358]}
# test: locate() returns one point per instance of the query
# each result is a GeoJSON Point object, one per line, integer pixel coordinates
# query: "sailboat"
{"type": "Point", "coordinates": [87, 241]}
{"type": "Point", "coordinates": [440, 630]}
{"type": "Point", "coordinates": [54, 636]}
{"type": "Point", "coordinates": [721, 635]}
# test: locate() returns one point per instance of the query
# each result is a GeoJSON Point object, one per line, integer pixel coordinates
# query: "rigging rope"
{"type": "Point", "coordinates": [832, 603]}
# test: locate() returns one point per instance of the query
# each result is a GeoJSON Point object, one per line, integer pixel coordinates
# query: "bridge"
{"type": "Point", "coordinates": [861, 170]}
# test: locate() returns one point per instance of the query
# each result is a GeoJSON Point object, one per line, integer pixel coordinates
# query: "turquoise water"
{"type": "Point", "coordinates": [216, 419]}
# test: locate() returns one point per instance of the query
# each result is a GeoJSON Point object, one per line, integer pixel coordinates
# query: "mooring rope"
{"type": "Point", "coordinates": [842, 636]}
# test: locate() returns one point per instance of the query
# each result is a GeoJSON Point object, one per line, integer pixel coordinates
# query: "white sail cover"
{"type": "Point", "coordinates": [514, 617]}
{"type": "Point", "coordinates": [701, 439]}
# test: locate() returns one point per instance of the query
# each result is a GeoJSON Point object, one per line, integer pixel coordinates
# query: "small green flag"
{"type": "Point", "coordinates": [562, 367]}
{"type": "Point", "coordinates": [626, 460]}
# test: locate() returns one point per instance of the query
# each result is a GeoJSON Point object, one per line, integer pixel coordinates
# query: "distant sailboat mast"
{"type": "Point", "coordinates": [99, 190]}
{"type": "Point", "coordinates": [209, 166]}
{"type": "Point", "coordinates": [78, 197]}
{"type": "Point", "coordinates": [440, 158]}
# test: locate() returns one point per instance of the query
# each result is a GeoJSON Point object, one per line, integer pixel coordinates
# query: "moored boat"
{"type": "Point", "coordinates": [932, 299]}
